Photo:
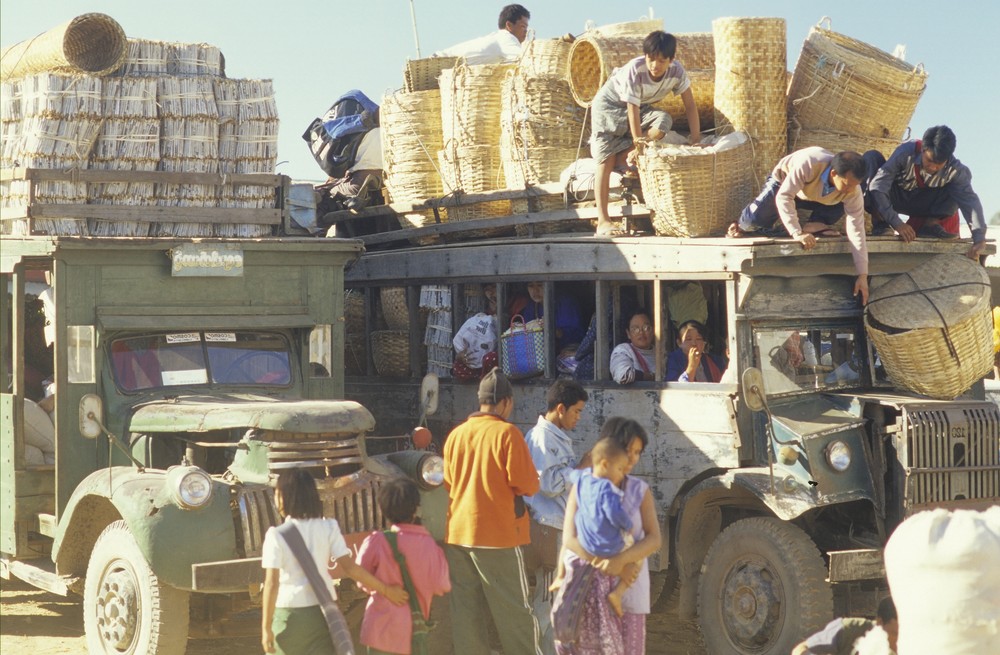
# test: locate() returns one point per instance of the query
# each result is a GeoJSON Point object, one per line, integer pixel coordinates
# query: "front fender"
{"type": "Point", "coordinates": [172, 539]}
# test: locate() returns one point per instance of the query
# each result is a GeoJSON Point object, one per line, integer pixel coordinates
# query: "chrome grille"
{"type": "Point", "coordinates": [952, 454]}
{"type": "Point", "coordinates": [258, 512]}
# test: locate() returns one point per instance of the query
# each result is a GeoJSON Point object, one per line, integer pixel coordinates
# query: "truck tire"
{"type": "Point", "coordinates": [126, 609]}
{"type": "Point", "coordinates": [763, 589]}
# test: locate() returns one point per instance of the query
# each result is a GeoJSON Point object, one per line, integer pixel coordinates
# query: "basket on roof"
{"type": "Point", "coordinates": [411, 139]}
{"type": "Point", "coordinates": [697, 192]}
{"type": "Point", "coordinates": [703, 90]}
{"type": "Point", "coordinates": [838, 142]}
{"type": "Point", "coordinates": [470, 103]}
{"type": "Point", "coordinates": [92, 44]}
{"type": "Point", "coordinates": [545, 58]}
{"type": "Point", "coordinates": [422, 74]}
{"type": "Point", "coordinates": [932, 326]}
{"type": "Point", "coordinates": [841, 84]}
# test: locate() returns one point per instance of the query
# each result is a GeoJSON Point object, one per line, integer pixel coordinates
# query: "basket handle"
{"type": "Point", "coordinates": [919, 69]}
{"type": "Point", "coordinates": [589, 25]}
{"type": "Point", "coordinates": [827, 20]}
{"type": "Point", "coordinates": [524, 326]}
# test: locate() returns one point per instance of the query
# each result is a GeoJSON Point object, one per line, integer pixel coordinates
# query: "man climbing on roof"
{"type": "Point", "coordinates": [501, 46]}
{"type": "Point", "coordinates": [827, 184]}
{"type": "Point", "coordinates": [924, 180]}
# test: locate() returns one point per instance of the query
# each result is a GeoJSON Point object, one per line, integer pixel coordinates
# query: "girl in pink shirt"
{"type": "Point", "coordinates": [388, 628]}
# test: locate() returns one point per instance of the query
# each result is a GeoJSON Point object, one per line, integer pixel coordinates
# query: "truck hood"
{"type": "Point", "coordinates": [204, 414]}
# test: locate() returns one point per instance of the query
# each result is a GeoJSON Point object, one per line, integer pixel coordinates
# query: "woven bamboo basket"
{"type": "Point", "coordinates": [411, 139]}
{"type": "Point", "coordinates": [390, 350]}
{"type": "Point", "coordinates": [524, 166]}
{"type": "Point", "coordinates": [697, 192]}
{"type": "Point", "coordinates": [593, 57]}
{"type": "Point", "coordinates": [836, 142]}
{"type": "Point", "coordinates": [750, 76]}
{"type": "Point", "coordinates": [92, 44]}
{"type": "Point", "coordinates": [394, 309]}
{"type": "Point", "coordinates": [640, 27]}
{"type": "Point", "coordinates": [695, 50]}
{"type": "Point", "coordinates": [703, 90]}
{"type": "Point", "coordinates": [933, 328]}
{"type": "Point", "coordinates": [541, 112]}
{"type": "Point", "coordinates": [478, 211]}
{"type": "Point", "coordinates": [471, 169]}
{"type": "Point", "coordinates": [847, 86]}
{"type": "Point", "coordinates": [421, 219]}
{"type": "Point", "coordinates": [545, 58]}
{"type": "Point", "coordinates": [354, 312]}
{"type": "Point", "coordinates": [423, 74]}
{"type": "Point", "coordinates": [470, 104]}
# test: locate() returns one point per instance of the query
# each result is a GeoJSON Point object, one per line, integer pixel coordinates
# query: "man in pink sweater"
{"type": "Point", "coordinates": [818, 180]}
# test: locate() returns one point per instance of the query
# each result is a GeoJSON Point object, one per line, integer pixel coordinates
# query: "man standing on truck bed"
{"type": "Point", "coordinates": [829, 185]}
{"type": "Point", "coordinates": [488, 470]}
{"type": "Point", "coordinates": [924, 180]}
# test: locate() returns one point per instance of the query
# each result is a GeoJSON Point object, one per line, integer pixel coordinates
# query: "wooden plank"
{"type": "Point", "coordinates": [159, 177]}
{"type": "Point", "coordinates": [157, 214]}
{"type": "Point", "coordinates": [35, 482]}
{"type": "Point", "coordinates": [582, 213]}
{"type": "Point", "coordinates": [231, 574]}
{"type": "Point", "coordinates": [39, 575]}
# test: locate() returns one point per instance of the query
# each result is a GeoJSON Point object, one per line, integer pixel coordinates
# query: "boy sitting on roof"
{"type": "Point", "coordinates": [498, 47]}
{"type": "Point", "coordinates": [813, 178]}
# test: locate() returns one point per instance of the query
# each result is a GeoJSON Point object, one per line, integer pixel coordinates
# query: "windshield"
{"type": "Point", "coordinates": [793, 359]}
{"type": "Point", "coordinates": [191, 358]}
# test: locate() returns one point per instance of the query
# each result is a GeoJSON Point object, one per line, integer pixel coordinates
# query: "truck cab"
{"type": "Point", "coordinates": [182, 376]}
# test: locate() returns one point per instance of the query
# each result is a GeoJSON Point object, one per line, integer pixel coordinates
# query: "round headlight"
{"type": "Point", "coordinates": [192, 487]}
{"type": "Point", "coordinates": [838, 454]}
{"type": "Point", "coordinates": [432, 470]}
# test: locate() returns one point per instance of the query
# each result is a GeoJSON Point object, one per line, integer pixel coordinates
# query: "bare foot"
{"type": "Point", "coordinates": [734, 231]}
{"type": "Point", "coordinates": [615, 601]}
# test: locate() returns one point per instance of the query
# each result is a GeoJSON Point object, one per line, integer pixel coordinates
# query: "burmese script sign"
{"type": "Point", "coordinates": [206, 260]}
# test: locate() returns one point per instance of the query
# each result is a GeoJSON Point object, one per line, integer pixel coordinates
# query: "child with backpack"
{"type": "Point", "coordinates": [405, 554]}
{"type": "Point", "coordinates": [299, 615]}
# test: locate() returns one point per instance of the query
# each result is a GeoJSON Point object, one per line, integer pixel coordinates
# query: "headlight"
{"type": "Point", "coordinates": [838, 454]}
{"type": "Point", "coordinates": [191, 486]}
{"type": "Point", "coordinates": [432, 470]}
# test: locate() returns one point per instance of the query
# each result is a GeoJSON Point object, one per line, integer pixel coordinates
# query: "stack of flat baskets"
{"type": "Point", "coordinates": [470, 158]}
{"type": "Point", "coordinates": [846, 87]}
{"type": "Point", "coordinates": [423, 74]}
{"type": "Point", "coordinates": [697, 192]}
{"type": "Point", "coordinates": [933, 328]}
{"type": "Point", "coordinates": [411, 140]}
{"type": "Point", "coordinates": [750, 58]}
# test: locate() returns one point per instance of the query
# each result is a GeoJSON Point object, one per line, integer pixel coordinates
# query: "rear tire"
{"type": "Point", "coordinates": [126, 609]}
{"type": "Point", "coordinates": [763, 589]}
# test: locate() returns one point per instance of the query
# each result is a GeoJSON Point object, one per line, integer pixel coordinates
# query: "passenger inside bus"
{"type": "Point", "coordinates": [634, 360]}
{"type": "Point", "coordinates": [692, 362]}
{"type": "Point", "coordinates": [476, 341]}
{"type": "Point", "coordinates": [529, 305]}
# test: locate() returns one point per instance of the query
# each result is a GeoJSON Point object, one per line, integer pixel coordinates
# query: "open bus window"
{"type": "Point", "coordinates": [192, 358]}
{"type": "Point", "coordinates": [794, 359]}
{"type": "Point", "coordinates": [321, 351]}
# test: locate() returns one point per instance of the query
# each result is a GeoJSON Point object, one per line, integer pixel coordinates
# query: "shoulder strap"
{"type": "Point", "coordinates": [391, 536]}
{"type": "Point", "coordinates": [339, 632]}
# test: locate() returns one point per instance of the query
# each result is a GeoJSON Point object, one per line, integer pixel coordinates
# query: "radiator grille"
{"type": "Point", "coordinates": [258, 512]}
{"type": "Point", "coordinates": [353, 504]}
{"type": "Point", "coordinates": [952, 454]}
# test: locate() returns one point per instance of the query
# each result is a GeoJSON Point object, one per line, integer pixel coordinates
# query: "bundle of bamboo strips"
{"type": "Point", "coordinates": [10, 122]}
{"type": "Point", "coordinates": [189, 142]}
{"type": "Point", "coordinates": [129, 141]}
{"type": "Point", "coordinates": [144, 57]}
{"type": "Point", "coordinates": [194, 59]}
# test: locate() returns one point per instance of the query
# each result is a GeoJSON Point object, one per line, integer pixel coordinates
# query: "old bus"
{"type": "Point", "coordinates": [769, 529]}
{"type": "Point", "coordinates": [186, 374]}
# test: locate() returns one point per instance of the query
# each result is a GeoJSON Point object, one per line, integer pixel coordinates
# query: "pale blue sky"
{"type": "Point", "coordinates": [316, 51]}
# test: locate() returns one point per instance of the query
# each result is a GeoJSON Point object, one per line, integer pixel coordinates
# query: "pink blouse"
{"type": "Point", "coordinates": [386, 626]}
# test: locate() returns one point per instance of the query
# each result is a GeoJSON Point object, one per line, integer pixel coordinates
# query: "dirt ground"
{"type": "Point", "coordinates": [40, 623]}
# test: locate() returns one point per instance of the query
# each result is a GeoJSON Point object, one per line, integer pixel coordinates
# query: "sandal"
{"type": "Point", "coordinates": [610, 231]}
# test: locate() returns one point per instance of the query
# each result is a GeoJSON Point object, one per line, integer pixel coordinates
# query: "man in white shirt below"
{"type": "Point", "coordinates": [501, 46]}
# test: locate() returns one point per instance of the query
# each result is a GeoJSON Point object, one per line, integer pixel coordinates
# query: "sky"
{"type": "Point", "coordinates": [316, 51]}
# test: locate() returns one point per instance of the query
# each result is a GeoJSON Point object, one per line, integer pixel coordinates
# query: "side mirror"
{"type": "Point", "coordinates": [429, 394]}
{"type": "Point", "coordinates": [753, 389]}
{"type": "Point", "coordinates": [91, 411]}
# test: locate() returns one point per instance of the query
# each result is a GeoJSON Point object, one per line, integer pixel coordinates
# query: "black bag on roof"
{"type": "Point", "coordinates": [334, 139]}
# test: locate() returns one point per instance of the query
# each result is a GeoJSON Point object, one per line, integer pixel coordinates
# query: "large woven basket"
{"type": "Point", "coordinates": [542, 112]}
{"type": "Point", "coordinates": [545, 58]}
{"type": "Point", "coordinates": [695, 50]}
{"type": "Point", "coordinates": [750, 85]}
{"type": "Point", "coordinates": [523, 166]}
{"type": "Point", "coordinates": [391, 352]}
{"type": "Point", "coordinates": [697, 192]}
{"type": "Point", "coordinates": [932, 326]}
{"type": "Point", "coordinates": [640, 27]}
{"type": "Point", "coordinates": [470, 104]}
{"type": "Point", "coordinates": [703, 90]}
{"type": "Point", "coordinates": [92, 44]}
{"type": "Point", "coordinates": [836, 142]}
{"type": "Point", "coordinates": [411, 139]}
{"type": "Point", "coordinates": [471, 169]}
{"type": "Point", "coordinates": [354, 312]}
{"type": "Point", "coordinates": [423, 74]}
{"type": "Point", "coordinates": [394, 308]}
{"type": "Point", "coordinates": [844, 85]}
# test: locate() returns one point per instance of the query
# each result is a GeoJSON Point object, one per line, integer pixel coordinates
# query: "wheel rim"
{"type": "Point", "coordinates": [117, 607]}
{"type": "Point", "coordinates": [752, 604]}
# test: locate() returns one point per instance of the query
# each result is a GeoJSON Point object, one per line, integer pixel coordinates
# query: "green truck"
{"type": "Point", "coordinates": [186, 374]}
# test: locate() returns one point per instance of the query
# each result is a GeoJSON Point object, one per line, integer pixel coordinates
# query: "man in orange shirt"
{"type": "Point", "coordinates": [488, 470]}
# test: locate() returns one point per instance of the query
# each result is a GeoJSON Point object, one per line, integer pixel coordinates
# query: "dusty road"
{"type": "Point", "coordinates": [40, 623]}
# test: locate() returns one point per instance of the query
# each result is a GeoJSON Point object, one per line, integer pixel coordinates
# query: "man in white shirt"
{"type": "Point", "coordinates": [501, 46]}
